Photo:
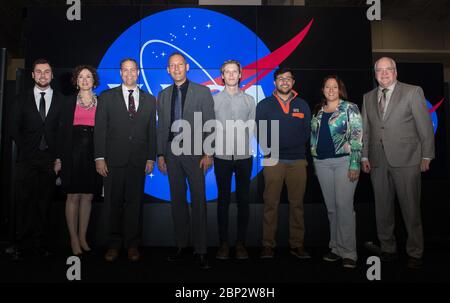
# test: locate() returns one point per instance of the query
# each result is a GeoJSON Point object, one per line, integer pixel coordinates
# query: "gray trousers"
{"type": "Point", "coordinates": [338, 194]}
{"type": "Point", "coordinates": [406, 182]}
{"type": "Point", "coordinates": [182, 168]}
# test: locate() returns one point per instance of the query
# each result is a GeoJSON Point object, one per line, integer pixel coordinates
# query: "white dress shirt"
{"type": "Point", "coordinates": [126, 93]}
{"type": "Point", "coordinates": [48, 97]}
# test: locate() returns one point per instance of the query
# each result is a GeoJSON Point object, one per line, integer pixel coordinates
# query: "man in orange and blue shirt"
{"type": "Point", "coordinates": [294, 120]}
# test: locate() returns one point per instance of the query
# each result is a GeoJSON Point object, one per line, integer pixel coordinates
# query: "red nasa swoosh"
{"type": "Point", "coordinates": [435, 107]}
{"type": "Point", "coordinates": [270, 61]}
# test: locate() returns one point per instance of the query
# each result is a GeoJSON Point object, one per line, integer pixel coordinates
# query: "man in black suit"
{"type": "Point", "coordinates": [125, 149]}
{"type": "Point", "coordinates": [34, 125]}
{"type": "Point", "coordinates": [190, 103]}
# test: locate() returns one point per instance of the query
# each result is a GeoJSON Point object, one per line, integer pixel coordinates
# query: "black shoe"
{"type": "Point", "coordinates": [202, 261]}
{"type": "Point", "coordinates": [331, 257]}
{"type": "Point", "coordinates": [181, 255]}
{"type": "Point", "coordinates": [415, 263]}
{"type": "Point", "coordinates": [388, 257]}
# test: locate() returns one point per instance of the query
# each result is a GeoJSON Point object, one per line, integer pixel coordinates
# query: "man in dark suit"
{"type": "Point", "coordinates": [34, 125]}
{"type": "Point", "coordinates": [398, 143]}
{"type": "Point", "coordinates": [182, 154]}
{"type": "Point", "coordinates": [125, 149]}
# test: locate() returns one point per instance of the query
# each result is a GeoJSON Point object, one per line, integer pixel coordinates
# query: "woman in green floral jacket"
{"type": "Point", "coordinates": [336, 143]}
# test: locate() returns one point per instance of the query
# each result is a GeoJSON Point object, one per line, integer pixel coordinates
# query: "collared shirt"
{"type": "Point", "coordinates": [126, 93]}
{"type": "Point", "coordinates": [234, 143]}
{"type": "Point", "coordinates": [289, 99]}
{"type": "Point", "coordinates": [388, 95]}
{"type": "Point", "coordinates": [48, 97]}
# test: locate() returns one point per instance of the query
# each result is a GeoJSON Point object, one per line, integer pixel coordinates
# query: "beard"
{"type": "Point", "coordinates": [39, 84]}
{"type": "Point", "coordinates": [283, 91]}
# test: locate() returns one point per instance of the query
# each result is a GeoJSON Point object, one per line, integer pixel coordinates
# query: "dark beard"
{"type": "Point", "coordinates": [283, 93]}
{"type": "Point", "coordinates": [40, 85]}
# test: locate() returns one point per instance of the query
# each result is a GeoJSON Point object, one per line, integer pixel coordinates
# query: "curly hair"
{"type": "Point", "coordinates": [77, 71]}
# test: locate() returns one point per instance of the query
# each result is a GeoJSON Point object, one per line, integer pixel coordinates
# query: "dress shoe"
{"type": "Point", "coordinates": [388, 257]}
{"type": "Point", "coordinates": [202, 261]}
{"type": "Point", "coordinates": [415, 263]}
{"type": "Point", "coordinates": [111, 254]}
{"type": "Point", "coordinates": [133, 254]}
{"type": "Point", "coordinates": [181, 255]}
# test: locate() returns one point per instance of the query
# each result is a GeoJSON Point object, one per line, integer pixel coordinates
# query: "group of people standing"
{"type": "Point", "coordinates": [118, 137]}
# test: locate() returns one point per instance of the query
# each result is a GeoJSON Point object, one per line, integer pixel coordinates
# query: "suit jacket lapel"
{"type": "Point", "coordinates": [374, 102]}
{"type": "Point", "coordinates": [32, 103]}
{"type": "Point", "coordinates": [141, 101]}
{"type": "Point", "coordinates": [395, 97]}
{"type": "Point", "coordinates": [190, 95]}
{"type": "Point", "coordinates": [168, 105]}
{"type": "Point", "coordinates": [53, 105]}
{"type": "Point", "coordinates": [120, 98]}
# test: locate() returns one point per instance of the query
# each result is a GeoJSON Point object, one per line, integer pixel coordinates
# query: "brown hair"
{"type": "Point", "coordinates": [341, 88]}
{"type": "Point", "coordinates": [237, 63]}
{"type": "Point", "coordinates": [41, 61]}
{"type": "Point", "coordinates": [77, 71]}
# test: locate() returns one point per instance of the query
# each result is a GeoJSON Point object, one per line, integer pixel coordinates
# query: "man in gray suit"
{"type": "Point", "coordinates": [398, 144]}
{"type": "Point", "coordinates": [182, 156]}
{"type": "Point", "coordinates": [125, 149]}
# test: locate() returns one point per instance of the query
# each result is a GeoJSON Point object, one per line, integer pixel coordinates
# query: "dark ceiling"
{"type": "Point", "coordinates": [12, 13]}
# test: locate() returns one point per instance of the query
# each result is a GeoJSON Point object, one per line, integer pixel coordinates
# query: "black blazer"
{"type": "Point", "coordinates": [27, 127]}
{"type": "Point", "coordinates": [119, 139]}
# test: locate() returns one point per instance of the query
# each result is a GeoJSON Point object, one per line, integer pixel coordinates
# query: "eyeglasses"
{"type": "Point", "coordinates": [387, 69]}
{"type": "Point", "coordinates": [284, 79]}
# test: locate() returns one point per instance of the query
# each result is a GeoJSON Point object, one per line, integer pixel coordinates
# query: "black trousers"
{"type": "Point", "coordinates": [224, 170]}
{"type": "Point", "coordinates": [124, 187]}
{"type": "Point", "coordinates": [35, 188]}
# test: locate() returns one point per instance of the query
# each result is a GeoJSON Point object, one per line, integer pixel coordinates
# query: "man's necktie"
{"type": "Point", "coordinates": [382, 103]}
{"type": "Point", "coordinates": [42, 144]}
{"type": "Point", "coordinates": [42, 106]}
{"type": "Point", "coordinates": [131, 105]}
{"type": "Point", "coordinates": [177, 109]}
